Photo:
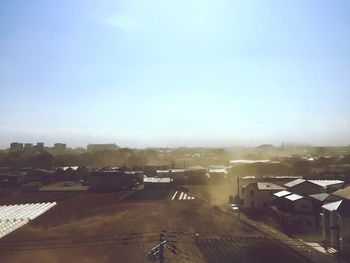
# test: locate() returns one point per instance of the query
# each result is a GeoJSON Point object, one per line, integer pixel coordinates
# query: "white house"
{"type": "Point", "coordinates": [295, 212]}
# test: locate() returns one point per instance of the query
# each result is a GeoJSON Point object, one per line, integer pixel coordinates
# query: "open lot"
{"type": "Point", "coordinates": [120, 227]}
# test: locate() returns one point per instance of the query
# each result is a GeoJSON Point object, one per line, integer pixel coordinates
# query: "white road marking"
{"type": "Point", "coordinates": [181, 195]}
{"type": "Point", "coordinates": [174, 196]}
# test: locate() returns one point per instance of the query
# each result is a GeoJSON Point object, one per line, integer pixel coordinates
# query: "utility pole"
{"type": "Point", "coordinates": [161, 247]}
{"type": "Point", "coordinates": [157, 252]}
{"type": "Point", "coordinates": [239, 199]}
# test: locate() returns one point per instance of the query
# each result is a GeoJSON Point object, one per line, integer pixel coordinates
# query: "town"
{"type": "Point", "coordinates": [297, 196]}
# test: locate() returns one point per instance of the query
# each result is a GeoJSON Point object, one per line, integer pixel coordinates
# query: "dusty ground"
{"type": "Point", "coordinates": [99, 227]}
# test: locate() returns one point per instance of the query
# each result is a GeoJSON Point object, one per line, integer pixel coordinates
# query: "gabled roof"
{"type": "Point", "coordinates": [282, 193]}
{"type": "Point", "coordinates": [332, 206]}
{"type": "Point", "coordinates": [325, 183]}
{"type": "Point", "coordinates": [342, 207]}
{"type": "Point", "coordinates": [320, 197]}
{"type": "Point", "coordinates": [322, 183]}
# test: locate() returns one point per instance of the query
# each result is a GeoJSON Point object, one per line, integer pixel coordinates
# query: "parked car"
{"type": "Point", "coordinates": [233, 207]}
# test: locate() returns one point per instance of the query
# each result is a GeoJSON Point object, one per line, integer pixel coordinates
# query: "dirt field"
{"type": "Point", "coordinates": [102, 227]}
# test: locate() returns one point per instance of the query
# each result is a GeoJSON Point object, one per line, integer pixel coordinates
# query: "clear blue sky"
{"type": "Point", "coordinates": [175, 73]}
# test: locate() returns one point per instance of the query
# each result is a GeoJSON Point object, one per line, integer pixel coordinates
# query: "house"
{"type": "Point", "coordinates": [259, 195]}
{"type": "Point", "coordinates": [318, 201]}
{"type": "Point", "coordinates": [156, 183]}
{"type": "Point", "coordinates": [109, 179]}
{"type": "Point", "coordinates": [336, 224]}
{"type": "Point", "coordinates": [295, 213]}
{"type": "Point", "coordinates": [306, 187]}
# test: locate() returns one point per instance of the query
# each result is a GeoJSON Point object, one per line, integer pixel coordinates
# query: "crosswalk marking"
{"type": "Point", "coordinates": [174, 196]}
{"type": "Point", "coordinates": [181, 196]}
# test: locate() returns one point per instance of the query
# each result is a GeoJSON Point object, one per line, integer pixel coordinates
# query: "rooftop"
{"type": "Point", "coordinates": [323, 183]}
{"type": "Point", "coordinates": [320, 197]}
{"type": "Point", "coordinates": [282, 193]}
{"type": "Point", "coordinates": [342, 207]}
{"type": "Point", "coordinates": [269, 186]}
{"type": "Point", "coordinates": [293, 197]}
{"type": "Point", "coordinates": [157, 180]}
{"type": "Point", "coordinates": [295, 182]}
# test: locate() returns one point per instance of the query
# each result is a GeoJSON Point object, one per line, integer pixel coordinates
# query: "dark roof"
{"type": "Point", "coordinates": [324, 197]}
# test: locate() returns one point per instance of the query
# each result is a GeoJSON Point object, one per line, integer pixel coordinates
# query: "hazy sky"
{"type": "Point", "coordinates": [175, 73]}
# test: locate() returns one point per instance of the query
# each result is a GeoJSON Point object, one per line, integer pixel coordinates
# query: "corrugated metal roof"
{"type": "Point", "coordinates": [325, 183]}
{"type": "Point", "coordinates": [157, 180]}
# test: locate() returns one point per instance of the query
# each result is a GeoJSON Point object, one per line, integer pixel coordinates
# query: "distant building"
{"type": "Point", "coordinates": [16, 146]}
{"type": "Point", "coordinates": [102, 147]}
{"type": "Point", "coordinates": [178, 175]}
{"type": "Point", "coordinates": [110, 179]}
{"type": "Point", "coordinates": [259, 196]}
{"type": "Point", "coordinates": [60, 146]}
{"type": "Point", "coordinates": [28, 147]}
{"type": "Point", "coordinates": [158, 183]}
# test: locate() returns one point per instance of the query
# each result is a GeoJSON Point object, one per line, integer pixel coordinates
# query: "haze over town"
{"type": "Point", "coordinates": [183, 73]}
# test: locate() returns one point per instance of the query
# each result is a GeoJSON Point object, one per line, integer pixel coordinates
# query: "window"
{"type": "Point", "coordinates": [251, 193]}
